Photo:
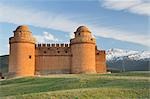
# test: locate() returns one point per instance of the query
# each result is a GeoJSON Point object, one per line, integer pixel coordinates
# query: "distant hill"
{"type": "Point", "coordinates": [128, 60]}
{"type": "Point", "coordinates": [4, 63]}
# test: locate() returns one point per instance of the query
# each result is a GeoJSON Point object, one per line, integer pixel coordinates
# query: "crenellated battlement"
{"type": "Point", "coordinates": [53, 49]}
{"type": "Point", "coordinates": [100, 52]}
{"type": "Point", "coordinates": [53, 45]}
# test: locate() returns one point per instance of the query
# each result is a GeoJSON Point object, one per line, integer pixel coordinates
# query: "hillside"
{"type": "Point", "coordinates": [4, 64]}
{"type": "Point", "coordinates": [133, 85]}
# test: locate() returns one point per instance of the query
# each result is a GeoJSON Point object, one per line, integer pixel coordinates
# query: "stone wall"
{"type": "Point", "coordinates": [52, 59]}
{"type": "Point", "coordinates": [100, 61]}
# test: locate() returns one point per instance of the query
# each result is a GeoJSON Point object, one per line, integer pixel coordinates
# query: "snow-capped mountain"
{"type": "Point", "coordinates": [119, 54]}
{"type": "Point", "coordinates": [127, 60]}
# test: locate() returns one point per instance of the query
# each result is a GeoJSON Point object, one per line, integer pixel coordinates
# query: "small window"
{"type": "Point", "coordinates": [44, 52]}
{"type": "Point", "coordinates": [29, 56]}
{"type": "Point", "coordinates": [79, 34]}
{"type": "Point", "coordinates": [66, 52]}
{"type": "Point", "coordinates": [97, 53]}
{"type": "Point", "coordinates": [91, 39]}
{"type": "Point", "coordinates": [58, 51]}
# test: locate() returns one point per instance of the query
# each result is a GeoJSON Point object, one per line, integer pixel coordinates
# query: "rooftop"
{"type": "Point", "coordinates": [22, 28]}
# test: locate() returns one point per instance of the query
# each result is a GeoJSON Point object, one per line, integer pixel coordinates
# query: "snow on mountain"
{"type": "Point", "coordinates": [120, 54]}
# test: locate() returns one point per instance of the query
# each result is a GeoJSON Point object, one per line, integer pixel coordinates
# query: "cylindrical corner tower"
{"type": "Point", "coordinates": [22, 53]}
{"type": "Point", "coordinates": [83, 51]}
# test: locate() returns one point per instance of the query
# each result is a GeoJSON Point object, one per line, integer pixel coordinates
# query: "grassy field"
{"type": "Point", "coordinates": [130, 85]}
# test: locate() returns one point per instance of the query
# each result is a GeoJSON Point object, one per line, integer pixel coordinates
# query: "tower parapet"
{"type": "Point", "coordinates": [22, 34]}
{"type": "Point", "coordinates": [83, 35]}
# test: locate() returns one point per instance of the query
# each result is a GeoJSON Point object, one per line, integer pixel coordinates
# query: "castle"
{"type": "Point", "coordinates": [80, 56]}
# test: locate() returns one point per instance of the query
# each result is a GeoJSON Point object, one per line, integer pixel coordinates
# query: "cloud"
{"type": "Point", "coordinates": [63, 23]}
{"type": "Point", "coordinates": [122, 35]}
{"type": "Point", "coordinates": [43, 19]}
{"type": "Point", "coordinates": [141, 7]}
{"type": "Point", "coordinates": [46, 37]}
{"type": "Point", "coordinates": [71, 35]}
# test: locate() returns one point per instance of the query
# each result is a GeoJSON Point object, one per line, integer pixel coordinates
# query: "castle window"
{"type": "Point", "coordinates": [79, 34]}
{"type": "Point", "coordinates": [97, 53]}
{"type": "Point", "coordinates": [29, 56]}
{"type": "Point", "coordinates": [44, 51]}
{"type": "Point", "coordinates": [66, 52]}
{"type": "Point", "coordinates": [91, 39]}
{"type": "Point", "coordinates": [58, 51]}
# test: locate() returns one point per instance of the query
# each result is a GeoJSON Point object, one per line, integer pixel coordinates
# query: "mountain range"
{"type": "Point", "coordinates": [127, 60]}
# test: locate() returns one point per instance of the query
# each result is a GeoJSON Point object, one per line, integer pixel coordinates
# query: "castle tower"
{"type": "Point", "coordinates": [22, 52]}
{"type": "Point", "coordinates": [83, 51]}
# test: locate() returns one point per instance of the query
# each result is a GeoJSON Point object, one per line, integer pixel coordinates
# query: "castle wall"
{"type": "Point", "coordinates": [52, 58]}
{"type": "Point", "coordinates": [100, 61]}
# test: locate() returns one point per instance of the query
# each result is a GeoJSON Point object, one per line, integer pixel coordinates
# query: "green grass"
{"type": "Point", "coordinates": [83, 86]}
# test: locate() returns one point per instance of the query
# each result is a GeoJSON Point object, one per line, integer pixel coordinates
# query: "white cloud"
{"type": "Point", "coordinates": [122, 35]}
{"type": "Point", "coordinates": [49, 36]}
{"type": "Point", "coordinates": [16, 15]}
{"type": "Point", "coordinates": [46, 37]}
{"type": "Point", "coordinates": [60, 22]}
{"type": "Point", "coordinates": [71, 35]}
{"type": "Point", "coordinates": [141, 7]}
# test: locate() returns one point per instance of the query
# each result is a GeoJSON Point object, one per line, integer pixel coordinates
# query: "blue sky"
{"type": "Point", "coordinates": [114, 23]}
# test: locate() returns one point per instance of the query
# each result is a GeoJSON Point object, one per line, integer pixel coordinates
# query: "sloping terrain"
{"type": "Point", "coordinates": [84, 86]}
{"type": "Point", "coordinates": [4, 64]}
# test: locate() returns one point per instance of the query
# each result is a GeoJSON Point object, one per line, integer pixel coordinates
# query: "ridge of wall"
{"type": "Point", "coordinates": [52, 49]}
{"type": "Point", "coordinates": [98, 52]}
{"type": "Point", "coordinates": [52, 45]}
